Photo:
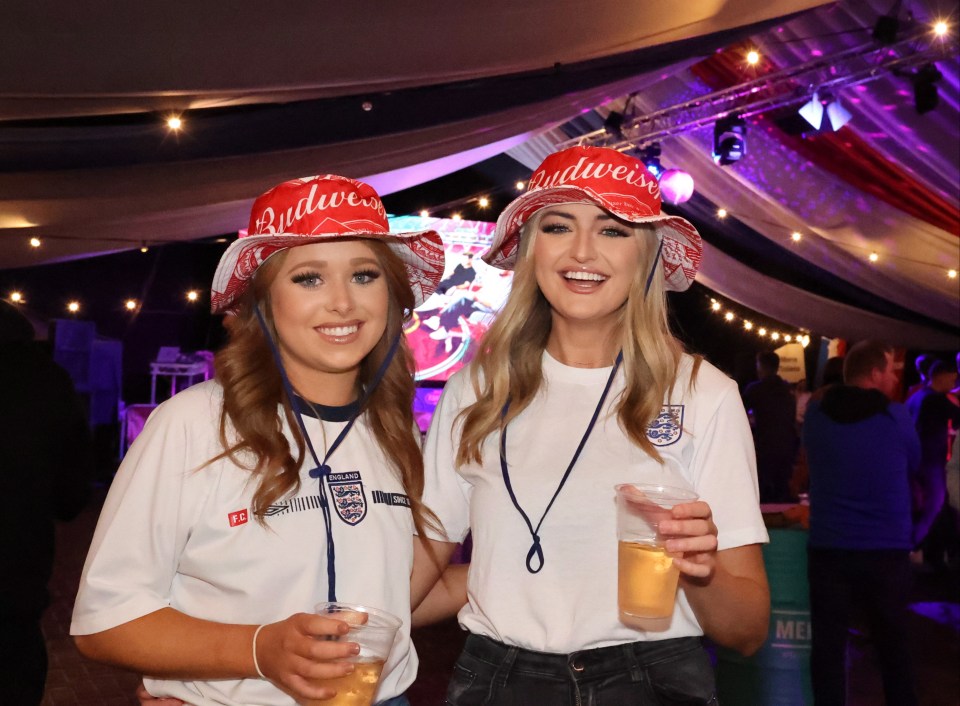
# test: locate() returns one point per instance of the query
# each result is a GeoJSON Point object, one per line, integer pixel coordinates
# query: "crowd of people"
{"type": "Point", "coordinates": [297, 475]}
{"type": "Point", "coordinates": [875, 465]}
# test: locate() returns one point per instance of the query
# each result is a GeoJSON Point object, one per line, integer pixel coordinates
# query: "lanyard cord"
{"type": "Point", "coordinates": [653, 268]}
{"type": "Point", "coordinates": [321, 470]}
{"type": "Point", "coordinates": [536, 551]}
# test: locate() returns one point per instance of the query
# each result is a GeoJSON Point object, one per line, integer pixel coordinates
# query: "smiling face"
{"type": "Point", "coordinates": [330, 304]}
{"type": "Point", "coordinates": [585, 262]}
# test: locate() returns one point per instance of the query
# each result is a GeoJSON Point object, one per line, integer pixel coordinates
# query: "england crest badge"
{"type": "Point", "coordinates": [667, 428]}
{"type": "Point", "coordinates": [346, 491]}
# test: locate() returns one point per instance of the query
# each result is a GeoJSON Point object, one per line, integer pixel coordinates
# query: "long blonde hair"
{"type": "Point", "coordinates": [509, 362]}
{"type": "Point", "coordinates": [253, 396]}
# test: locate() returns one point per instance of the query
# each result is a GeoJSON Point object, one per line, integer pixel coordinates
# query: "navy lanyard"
{"type": "Point", "coordinates": [536, 551]}
{"type": "Point", "coordinates": [322, 469]}
{"type": "Point", "coordinates": [653, 268]}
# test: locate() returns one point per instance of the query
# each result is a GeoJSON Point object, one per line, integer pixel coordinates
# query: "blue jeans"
{"type": "Point", "coordinates": [395, 701]}
{"type": "Point", "coordinates": [659, 673]}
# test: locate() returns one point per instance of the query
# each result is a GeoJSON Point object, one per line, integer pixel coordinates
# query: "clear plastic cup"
{"type": "Point", "coordinates": [375, 631]}
{"type": "Point", "coordinates": [646, 575]}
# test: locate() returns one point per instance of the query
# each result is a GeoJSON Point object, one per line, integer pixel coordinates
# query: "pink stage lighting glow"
{"type": "Point", "coordinates": [676, 186]}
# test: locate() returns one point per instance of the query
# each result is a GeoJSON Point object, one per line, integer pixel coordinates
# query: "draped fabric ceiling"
{"type": "Point", "coordinates": [400, 95]}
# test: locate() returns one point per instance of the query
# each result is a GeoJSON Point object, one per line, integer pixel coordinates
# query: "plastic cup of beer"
{"type": "Point", "coordinates": [646, 576]}
{"type": "Point", "coordinates": [375, 631]}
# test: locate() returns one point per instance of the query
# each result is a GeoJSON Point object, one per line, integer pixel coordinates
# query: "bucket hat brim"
{"type": "Point", "coordinates": [682, 246]}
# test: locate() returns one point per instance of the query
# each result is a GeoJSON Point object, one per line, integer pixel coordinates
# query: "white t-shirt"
{"type": "Point", "coordinates": [571, 604]}
{"type": "Point", "coordinates": [176, 533]}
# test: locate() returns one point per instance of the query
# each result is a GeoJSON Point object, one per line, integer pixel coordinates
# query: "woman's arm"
{"type": "Point", "coordinates": [728, 589]}
{"type": "Point", "coordinates": [445, 599]}
{"type": "Point", "coordinates": [170, 644]}
{"type": "Point", "coordinates": [430, 559]}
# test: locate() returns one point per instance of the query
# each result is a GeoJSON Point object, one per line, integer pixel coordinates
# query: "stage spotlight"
{"type": "Point", "coordinates": [676, 186]}
{"type": "Point", "coordinates": [650, 156]}
{"type": "Point", "coordinates": [885, 31]}
{"type": "Point", "coordinates": [613, 124]}
{"type": "Point", "coordinates": [729, 140]}
{"type": "Point", "coordinates": [837, 115]}
{"type": "Point", "coordinates": [812, 111]}
{"type": "Point", "coordinates": [925, 95]}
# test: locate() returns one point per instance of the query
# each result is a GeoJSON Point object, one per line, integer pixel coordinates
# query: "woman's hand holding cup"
{"type": "Point", "coordinates": [691, 538]}
{"type": "Point", "coordinates": [299, 653]}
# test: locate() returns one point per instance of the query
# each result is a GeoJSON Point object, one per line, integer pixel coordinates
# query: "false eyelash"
{"type": "Point", "coordinates": [372, 274]}
{"type": "Point", "coordinates": [304, 276]}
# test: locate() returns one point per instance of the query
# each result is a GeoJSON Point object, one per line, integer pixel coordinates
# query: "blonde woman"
{"type": "Point", "coordinates": [293, 478]}
{"type": "Point", "coordinates": [579, 386]}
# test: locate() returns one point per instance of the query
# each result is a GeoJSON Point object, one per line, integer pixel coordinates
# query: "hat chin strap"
{"type": "Point", "coordinates": [653, 268]}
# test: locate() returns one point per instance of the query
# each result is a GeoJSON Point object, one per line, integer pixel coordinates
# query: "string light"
{"type": "Point", "coordinates": [483, 201]}
{"type": "Point", "coordinates": [940, 28]}
{"type": "Point", "coordinates": [193, 295]}
{"type": "Point", "coordinates": [35, 242]}
{"type": "Point", "coordinates": [130, 304]}
{"type": "Point", "coordinates": [520, 186]}
{"type": "Point", "coordinates": [174, 122]}
{"type": "Point", "coordinates": [873, 256]}
{"type": "Point", "coordinates": [144, 248]}
{"type": "Point", "coordinates": [73, 307]}
{"type": "Point", "coordinates": [424, 213]}
{"type": "Point", "coordinates": [16, 297]}
{"type": "Point", "coordinates": [730, 315]}
{"type": "Point", "coordinates": [952, 274]}
{"type": "Point", "coordinates": [753, 57]}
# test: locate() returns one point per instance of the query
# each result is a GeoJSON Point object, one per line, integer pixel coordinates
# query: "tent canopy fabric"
{"type": "Point", "coordinates": [402, 95]}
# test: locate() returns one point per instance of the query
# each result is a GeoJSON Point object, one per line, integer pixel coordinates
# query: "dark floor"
{"type": "Point", "coordinates": [73, 681]}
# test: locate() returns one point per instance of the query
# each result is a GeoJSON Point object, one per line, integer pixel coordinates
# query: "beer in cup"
{"type": "Point", "coordinates": [374, 630]}
{"type": "Point", "coordinates": [647, 578]}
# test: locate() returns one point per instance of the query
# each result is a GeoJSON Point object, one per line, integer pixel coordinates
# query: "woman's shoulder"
{"type": "Point", "coordinates": [697, 375]}
{"type": "Point", "coordinates": [198, 404]}
{"type": "Point", "coordinates": [458, 390]}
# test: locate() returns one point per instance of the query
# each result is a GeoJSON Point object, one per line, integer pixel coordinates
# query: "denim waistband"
{"type": "Point", "coordinates": [395, 701]}
{"type": "Point", "coordinates": [584, 664]}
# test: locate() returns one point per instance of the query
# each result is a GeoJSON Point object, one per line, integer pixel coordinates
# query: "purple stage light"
{"type": "Point", "coordinates": [676, 186]}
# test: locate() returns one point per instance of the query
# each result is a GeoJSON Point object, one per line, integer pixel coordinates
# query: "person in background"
{"type": "Point", "coordinates": [773, 408]}
{"type": "Point", "coordinates": [861, 451]}
{"type": "Point", "coordinates": [294, 477]}
{"type": "Point", "coordinates": [953, 481]}
{"type": "Point", "coordinates": [580, 385]}
{"type": "Point", "coordinates": [46, 464]}
{"type": "Point", "coordinates": [922, 365]}
{"type": "Point", "coordinates": [832, 372]}
{"type": "Point", "coordinates": [933, 413]}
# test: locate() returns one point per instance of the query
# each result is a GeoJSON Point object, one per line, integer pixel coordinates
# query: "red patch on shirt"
{"type": "Point", "coordinates": [239, 517]}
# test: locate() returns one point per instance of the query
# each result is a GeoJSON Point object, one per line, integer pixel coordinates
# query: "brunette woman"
{"type": "Point", "coordinates": [293, 478]}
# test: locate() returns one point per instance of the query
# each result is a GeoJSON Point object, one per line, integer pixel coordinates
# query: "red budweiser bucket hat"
{"type": "Point", "coordinates": [318, 209]}
{"type": "Point", "coordinates": [613, 181]}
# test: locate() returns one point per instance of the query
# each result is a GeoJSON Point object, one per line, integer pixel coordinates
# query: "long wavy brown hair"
{"type": "Point", "coordinates": [251, 429]}
{"type": "Point", "coordinates": [509, 362]}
